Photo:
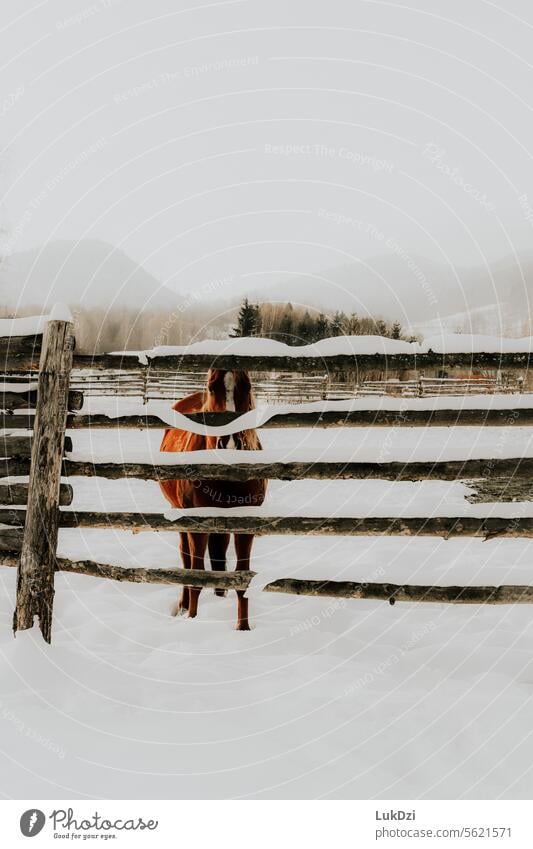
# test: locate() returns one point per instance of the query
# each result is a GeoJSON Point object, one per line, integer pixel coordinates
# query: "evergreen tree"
{"type": "Point", "coordinates": [354, 325]}
{"type": "Point", "coordinates": [306, 329]}
{"type": "Point", "coordinates": [322, 328]}
{"type": "Point", "coordinates": [248, 320]}
{"type": "Point", "coordinates": [286, 326]}
{"type": "Point", "coordinates": [338, 325]}
{"type": "Point", "coordinates": [396, 332]}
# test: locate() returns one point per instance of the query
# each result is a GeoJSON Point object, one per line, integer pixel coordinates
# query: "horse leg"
{"type": "Point", "coordinates": [181, 607]}
{"type": "Point", "coordinates": [197, 547]}
{"type": "Point", "coordinates": [218, 546]}
{"type": "Point", "coordinates": [243, 549]}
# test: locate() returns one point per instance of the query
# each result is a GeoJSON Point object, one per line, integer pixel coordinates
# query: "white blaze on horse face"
{"type": "Point", "coordinates": [229, 383]}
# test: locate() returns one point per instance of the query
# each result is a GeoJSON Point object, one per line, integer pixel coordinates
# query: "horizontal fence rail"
{"type": "Point", "coordinates": [320, 470]}
{"type": "Point", "coordinates": [20, 352]}
{"type": "Point", "coordinates": [452, 470]}
{"type": "Point", "coordinates": [306, 364]}
{"type": "Point", "coordinates": [382, 418]}
{"type": "Point", "coordinates": [21, 446]}
{"type": "Point", "coordinates": [24, 400]}
{"type": "Point", "coordinates": [391, 593]}
{"type": "Point", "coordinates": [500, 489]}
{"type": "Point", "coordinates": [17, 493]}
{"type": "Point", "coordinates": [518, 416]}
{"type": "Point", "coordinates": [443, 526]}
{"type": "Point", "coordinates": [10, 540]}
{"type": "Point", "coordinates": [18, 400]}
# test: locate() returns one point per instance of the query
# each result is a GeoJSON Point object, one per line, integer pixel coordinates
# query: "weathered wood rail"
{"type": "Point", "coordinates": [448, 470]}
{"type": "Point", "coordinates": [17, 493]}
{"type": "Point", "coordinates": [510, 416]}
{"type": "Point", "coordinates": [391, 593]}
{"type": "Point", "coordinates": [30, 517]}
{"type": "Point", "coordinates": [469, 417]}
{"type": "Point", "coordinates": [520, 469]}
{"type": "Point", "coordinates": [333, 362]}
{"type": "Point", "coordinates": [443, 526]}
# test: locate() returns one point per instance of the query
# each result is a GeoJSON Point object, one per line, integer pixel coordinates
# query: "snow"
{"type": "Point", "coordinates": [35, 324]}
{"type": "Point", "coordinates": [30, 326]}
{"type": "Point", "coordinates": [456, 343]}
{"type": "Point", "coordinates": [348, 345]}
{"type": "Point", "coordinates": [362, 444]}
{"type": "Point", "coordinates": [115, 407]}
{"type": "Point", "coordinates": [60, 312]}
{"type": "Point", "coordinates": [323, 698]}
{"type": "Point", "coordinates": [18, 387]}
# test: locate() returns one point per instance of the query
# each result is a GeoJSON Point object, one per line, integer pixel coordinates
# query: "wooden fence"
{"type": "Point", "coordinates": [428, 387]}
{"type": "Point", "coordinates": [38, 399]}
{"type": "Point", "coordinates": [166, 385]}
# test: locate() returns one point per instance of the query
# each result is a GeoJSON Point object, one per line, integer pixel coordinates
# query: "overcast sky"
{"type": "Point", "coordinates": [247, 139]}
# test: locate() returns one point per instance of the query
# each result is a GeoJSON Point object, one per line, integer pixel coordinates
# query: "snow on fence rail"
{"type": "Point", "coordinates": [28, 536]}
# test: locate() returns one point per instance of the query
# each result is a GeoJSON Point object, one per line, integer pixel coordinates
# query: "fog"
{"type": "Point", "coordinates": [275, 145]}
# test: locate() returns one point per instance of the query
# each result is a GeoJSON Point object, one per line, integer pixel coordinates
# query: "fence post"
{"type": "Point", "coordinates": [35, 582]}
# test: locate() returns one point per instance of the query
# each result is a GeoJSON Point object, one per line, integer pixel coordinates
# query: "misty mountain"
{"type": "Point", "coordinates": [417, 291]}
{"type": "Point", "coordinates": [121, 303]}
{"type": "Point", "coordinates": [116, 303]}
{"type": "Point", "coordinates": [87, 273]}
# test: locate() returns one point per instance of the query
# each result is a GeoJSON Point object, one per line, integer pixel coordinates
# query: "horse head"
{"type": "Point", "coordinates": [231, 391]}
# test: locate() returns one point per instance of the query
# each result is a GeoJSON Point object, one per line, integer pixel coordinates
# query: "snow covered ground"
{"type": "Point", "coordinates": [337, 699]}
{"type": "Point", "coordinates": [442, 342]}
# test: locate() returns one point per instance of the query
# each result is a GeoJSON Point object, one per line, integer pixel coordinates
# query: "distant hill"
{"type": "Point", "coordinates": [119, 304]}
{"type": "Point", "coordinates": [87, 273]}
{"type": "Point", "coordinates": [116, 303]}
{"type": "Point", "coordinates": [417, 291]}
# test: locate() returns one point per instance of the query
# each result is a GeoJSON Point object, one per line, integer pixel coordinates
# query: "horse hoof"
{"type": "Point", "coordinates": [221, 593]}
{"type": "Point", "coordinates": [177, 610]}
{"type": "Point", "coordinates": [242, 626]}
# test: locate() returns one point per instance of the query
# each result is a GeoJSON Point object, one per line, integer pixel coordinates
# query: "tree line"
{"type": "Point", "coordinates": [299, 326]}
{"type": "Point", "coordinates": [120, 328]}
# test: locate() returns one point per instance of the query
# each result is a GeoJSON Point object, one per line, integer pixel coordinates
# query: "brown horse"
{"type": "Point", "coordinates": [232, 391]}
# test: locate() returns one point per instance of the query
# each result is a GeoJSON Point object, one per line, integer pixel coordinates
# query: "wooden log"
{"type": "Point", "coordinates": [21, 446]}
{"type": "Point", "coordinates": [14, 421]}
{"type": "Point", "coordinates": [18, 400]}
{"type": "Point", "coordinates": [19, 353]}
{"type": "Point", "coordinates": [75, 400]}
{"type": "Point", "coordinates": [35, 584]}
{"type": "Point", "coordinates": [500, 489]}
{"type": "Point", "coordinates": [17, 493]}
{"type": "Point", "coordinates": [11, 540]}
{"type": "Point", "coordinates": [201, 578]}
{"type": "Point", "coordinates": [404, 592]}
{"type": "Point", "coordinates": [391, 593]}
{"type": "Point", "coordinates": [103, 421]}
{"type": "Point", "coordinates": [320, 470]}
{"type": "Point", "coordinates": [28, 399]}
{"type": "Point", "coordinates": [15, 466]}
{"type": "Point", "coordinates": [331, 363]}
{"type": "Point", "coordinates": [335, 418]}
{"type": "Point", "coordinates": [15, 446]}
{"type": "Point", "coordinates": [282, 525]}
